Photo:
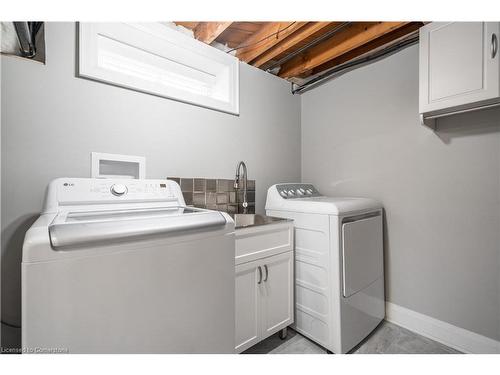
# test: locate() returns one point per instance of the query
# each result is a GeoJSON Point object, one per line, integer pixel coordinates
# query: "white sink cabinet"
{"type": "Point", "coordinates": [264, 281]}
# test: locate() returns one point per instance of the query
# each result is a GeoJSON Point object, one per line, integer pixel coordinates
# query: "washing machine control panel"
{"type": "Point", "coordinates": [290, 191]}
{"type": "Point", "coordinates": [79, 191]}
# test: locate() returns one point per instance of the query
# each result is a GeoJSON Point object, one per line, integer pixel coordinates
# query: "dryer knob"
{"type": "Point", "coordinates": [118, 189]}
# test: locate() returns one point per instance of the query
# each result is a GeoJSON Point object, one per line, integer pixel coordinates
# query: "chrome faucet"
{"type": "Point", "coordinates": [237, 183]}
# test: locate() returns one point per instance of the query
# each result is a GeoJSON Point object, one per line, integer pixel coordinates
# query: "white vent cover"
{"type": "Point", "coordinates": [117, 166]}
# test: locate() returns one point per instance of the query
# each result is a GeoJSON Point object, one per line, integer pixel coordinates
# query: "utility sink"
{"type": "Point", "coordinates": [250, 220]}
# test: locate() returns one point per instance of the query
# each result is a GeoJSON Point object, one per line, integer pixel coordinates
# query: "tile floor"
{"type": "Point", "coordinates": [387, 338]}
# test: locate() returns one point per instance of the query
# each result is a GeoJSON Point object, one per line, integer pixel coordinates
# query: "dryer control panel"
{"type": "Point", "coordinates": [291, 191]}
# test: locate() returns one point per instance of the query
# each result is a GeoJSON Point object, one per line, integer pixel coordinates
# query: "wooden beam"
{"type": "Point", "coordinates": [365, 48]}
{"type": "Point", "coordinates": [353, 36]}
{"type": "Point", "coordinates": [207, 32]}
{"type": "Point", "coordinates": [268, 36]}
{"type": "Point", "coordinates": [293, 40]}
{"type": "Point", "coordinates": [189, 25]}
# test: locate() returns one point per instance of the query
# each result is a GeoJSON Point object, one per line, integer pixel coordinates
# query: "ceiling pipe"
{"type": "Point", "coordinates": [26, 34]}
{"type": "Point", "coordinates": [272, 68]}
{"type": "Point", "coordinates": [343, 68]}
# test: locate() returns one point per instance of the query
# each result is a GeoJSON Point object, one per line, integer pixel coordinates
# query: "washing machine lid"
{"type": "Point", "coordinates": [82, 228]}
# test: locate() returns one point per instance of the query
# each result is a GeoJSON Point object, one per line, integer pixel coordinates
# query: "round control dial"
{"type": "Point", "coordinates": [118, 189]}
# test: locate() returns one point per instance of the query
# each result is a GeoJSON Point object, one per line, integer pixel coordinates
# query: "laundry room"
{"type": "Point", "coordinates": [327, 186]}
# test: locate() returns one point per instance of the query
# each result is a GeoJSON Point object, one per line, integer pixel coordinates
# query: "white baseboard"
{"type": "Point", "coordinates": [445, 333]}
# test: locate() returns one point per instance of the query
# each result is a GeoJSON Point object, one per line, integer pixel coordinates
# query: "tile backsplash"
{"type": "Point", "coordinates": [216, 194]}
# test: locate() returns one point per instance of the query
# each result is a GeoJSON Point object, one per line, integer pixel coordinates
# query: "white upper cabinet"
{"type": "Point", "coordinates": [459, 66]}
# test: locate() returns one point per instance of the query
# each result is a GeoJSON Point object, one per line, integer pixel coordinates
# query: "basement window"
{"type": "Point", "coordinates": [158, 60]}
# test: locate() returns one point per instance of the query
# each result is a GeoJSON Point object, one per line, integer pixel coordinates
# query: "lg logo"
{"type": "Point", "coordinates": [68, 184]}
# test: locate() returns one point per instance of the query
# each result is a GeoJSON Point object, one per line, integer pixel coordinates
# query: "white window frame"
{"type": "Point", "coordinates": [156, 59]}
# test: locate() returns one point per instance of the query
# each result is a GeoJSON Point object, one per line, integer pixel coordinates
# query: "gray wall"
{"type": "Point", "coordinates": [441, 191]}
{"type": "Point", "coordinates": [51, 121]}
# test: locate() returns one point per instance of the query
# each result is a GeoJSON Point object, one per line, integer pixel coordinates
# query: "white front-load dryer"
{"type": "Point", "coordinates": [339, 282]}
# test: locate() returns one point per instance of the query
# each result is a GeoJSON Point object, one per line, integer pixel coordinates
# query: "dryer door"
{"type": "Point", "coordinates": [362, 253]}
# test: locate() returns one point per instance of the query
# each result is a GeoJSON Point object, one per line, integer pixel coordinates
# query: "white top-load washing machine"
{"type": "Point", "coordinates": [123, 266]}
{"type": "Point", "coordinates": [339, 272]}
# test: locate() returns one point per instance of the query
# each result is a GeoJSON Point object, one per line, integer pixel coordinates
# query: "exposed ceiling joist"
{"type": "Point", "coordinates": [268, 36]}
{"type": "Point", "coordinates": [207, 32]}
{"type": "Point", "coordinates": [292, 41]}
{"type": "Point", "coordinates": [301, 50]}
{"type": "Point", "coordinates": [399, 33]}
{"type": "Point", "coordinates": [187, 25]}
{"type": "Point", "coordinates": [353, 36]}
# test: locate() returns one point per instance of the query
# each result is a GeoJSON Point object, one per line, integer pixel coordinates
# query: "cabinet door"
{"type": "Point", "coordinates": [247, 305]}
{"type": "Point", "coordinates": [278, 293]}
{"type": "Point", "coordinates": [458, 64]}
